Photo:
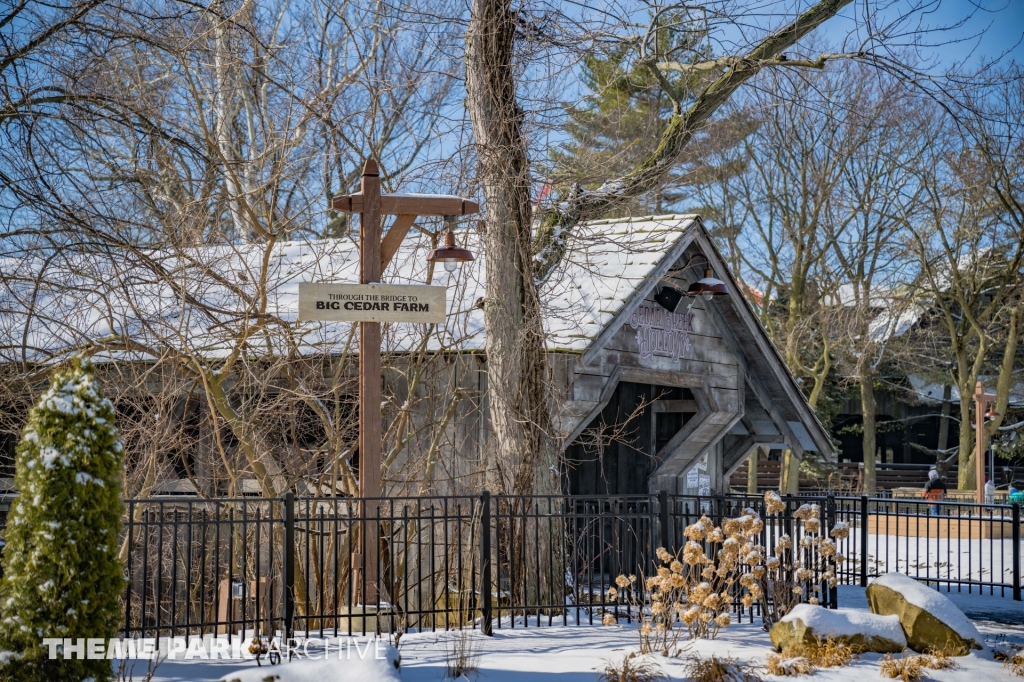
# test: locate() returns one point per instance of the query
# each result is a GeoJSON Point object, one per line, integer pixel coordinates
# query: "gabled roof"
{"type": "Point", "coordinates": [766, 373]}
{"type": "Point", "coordinates": [197, 299]}
{"type": "Point", "coordinates": [200, 297]}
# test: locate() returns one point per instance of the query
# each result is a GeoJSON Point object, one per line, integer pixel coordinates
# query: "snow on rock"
{"type": "Point", "coordinates": [847, 622]}
{"type": "Point", "coordinates": [934, 602]}
{"type": "Point", "coordinates": [929, 619]}
{"type": "Point", "coordinates": [377, 663]}
{"type": "Point", "coordinates": [862, 630]}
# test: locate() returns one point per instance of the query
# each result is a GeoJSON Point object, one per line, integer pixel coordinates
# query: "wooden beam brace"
{"type": "Point", "coordinates": [393, 239]}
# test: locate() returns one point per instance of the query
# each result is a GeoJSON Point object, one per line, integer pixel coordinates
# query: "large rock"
{"type": "Point", "coordinates": [929, 619]}
{"type": "Point", "coordinates": [862, 631]}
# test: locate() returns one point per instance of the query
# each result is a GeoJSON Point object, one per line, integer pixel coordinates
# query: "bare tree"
{"type": "Point", "coordinates": [969, 249]}
{"type": "Point", "coordinates": [500, 42]}
{"type": "Point", "coordinates": [865, 232]}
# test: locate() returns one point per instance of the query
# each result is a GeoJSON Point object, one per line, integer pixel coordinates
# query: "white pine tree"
{"type": "Point", "coordinates": [61, 576]}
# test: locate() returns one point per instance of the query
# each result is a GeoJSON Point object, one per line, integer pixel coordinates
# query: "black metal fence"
{"type": "Point", "coordinates": [287, 565]}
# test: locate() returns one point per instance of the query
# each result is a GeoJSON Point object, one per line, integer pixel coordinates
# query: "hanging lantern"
{"type": "Point", "coordinates": [450, 255]}
{"type": "Point", "coordinates": [708, 286]}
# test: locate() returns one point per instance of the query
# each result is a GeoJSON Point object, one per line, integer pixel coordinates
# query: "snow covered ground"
{"type": "Point", "coordinates": [925, 557]}
{"type": "Point", "coordinates": [577, 653]}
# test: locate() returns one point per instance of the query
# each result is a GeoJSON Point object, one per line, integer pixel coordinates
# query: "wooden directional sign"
{"type": "Point", "coordinates": [371, 302]}
{"type": "Point", "coordinates": [410, 304]}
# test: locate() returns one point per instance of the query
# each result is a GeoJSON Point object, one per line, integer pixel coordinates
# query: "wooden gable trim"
{"type": "Point", "coordinates": [639, 375]}
{"type": "Point", "coordinates": [768, 352]}
{"type": "Point", "coordinates": [639, 294]}
{"type": "Point", "coordinates": [778, 419]}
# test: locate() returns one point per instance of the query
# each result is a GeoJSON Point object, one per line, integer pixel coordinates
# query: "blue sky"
{"type": "Point", "coordinates": [990, 28]}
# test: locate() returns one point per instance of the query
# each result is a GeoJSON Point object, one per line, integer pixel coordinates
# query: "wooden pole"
{"type": "Point", "coordinates": [752, 470]}
{"type": "Point", "coordinates": [370, 379]}
{"type": "Point", "coordinates": [375, 253]}
{"type": "Point", "coordinates": [981, 400]}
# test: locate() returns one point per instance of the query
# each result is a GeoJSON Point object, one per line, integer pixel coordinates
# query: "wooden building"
{"type": "Point", "coordinates": [650, 390]}
{"type": "Point", "coordinates": [674, 395]}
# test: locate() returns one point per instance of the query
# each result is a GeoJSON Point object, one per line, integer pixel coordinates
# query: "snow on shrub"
{"type": "Point", "coordinates": [1015, 662]}
{"type": "Point", "coordinates": [911, 667]}
{"type": "Point", "coordinates": [782, 665]}
{"type": "Point", "coordinates": [715, 669]}
{"type": "Point", "coordinates": [907, 668]}
{"type": "Point", "coordinates": [61, 576]}
{"type": "Point", "coordinates": [632, 668]}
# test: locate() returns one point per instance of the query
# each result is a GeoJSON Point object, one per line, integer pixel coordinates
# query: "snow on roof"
{"type": "Point", "coordinates": [847, 623]}
{"type": "Point", "coordinates": [894, 321]}
{"type": "Point", "coordinates": [932, 601]}
{"type": "Point", "coordinates": [846, 295]}
{"type": "Point", "coordinates": [930, 392]}
{"type": "Point", "coordinates": [199, 299]}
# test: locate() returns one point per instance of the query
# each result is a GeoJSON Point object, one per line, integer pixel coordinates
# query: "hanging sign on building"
{"type": "Point", "coordinates": [371, 302]}
{"type": "Point", "coordinates": [692, 478]}
{"type": "Point", "coordinates": [659, 332]}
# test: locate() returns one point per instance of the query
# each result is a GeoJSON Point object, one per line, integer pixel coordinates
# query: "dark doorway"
{"type": "Point", "coordinates": [616, 452]}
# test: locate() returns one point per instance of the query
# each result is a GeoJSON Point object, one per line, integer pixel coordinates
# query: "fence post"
{"type": "Point", "coordinates": [863, 540]}
{"type": "Point", "coordinates": [1016, 552]}
{"type": "Point", "coordinates": [485, 564]}
{"type": "Point", "coordinates": [787, 520]}
{"type": "Point", "coordinates": [289, 564]}
{"type": "Point", "coordinates": [663, 520]}
{"type": "Point", "coordinates": [830, 516]}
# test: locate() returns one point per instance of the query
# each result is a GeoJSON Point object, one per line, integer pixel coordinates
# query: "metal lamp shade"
{"type": "Point", "coordinates": [708, 286]}
{"type": "Point", "coordinates": [449, 252]}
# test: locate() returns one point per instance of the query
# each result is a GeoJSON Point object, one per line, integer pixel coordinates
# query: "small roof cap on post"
{"type": "Point", "coordinates": [370, 168]}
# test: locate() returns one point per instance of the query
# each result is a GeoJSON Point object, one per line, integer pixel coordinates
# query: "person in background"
{"type": "Point", "coordinates": [990, 491]}
{"type": "Point", "coordinates": [1015, 496]}
{"type": "Point", "coordinates": [934, 491]}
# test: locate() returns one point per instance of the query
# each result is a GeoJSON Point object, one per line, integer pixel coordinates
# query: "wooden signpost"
{"type": "Point", "coordinates": [369, 304]}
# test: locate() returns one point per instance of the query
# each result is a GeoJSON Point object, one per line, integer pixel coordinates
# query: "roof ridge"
{"type": "Point", "coordinates": [643, 218]}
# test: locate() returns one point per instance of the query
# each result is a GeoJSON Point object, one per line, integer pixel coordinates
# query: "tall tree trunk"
{"type": "Point", "coordinates": [789, 478]}
{"type": "Point", "coordinates": [752, 470]}
{"type": "Point", "coordinates": [965, 457]}
{"type": "Point", "coordinates": [516, 365]}
{"type": "Point", "coordinates": [868, 421]}
{"type": "Point", "coordinates": [1005, 380]}
{"type": "Point", "coordinates": [966, 376]}
{"type": "Point", "coordinates": [947, 406]}
{"type": "Point", "coordinates": [524, 457]}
